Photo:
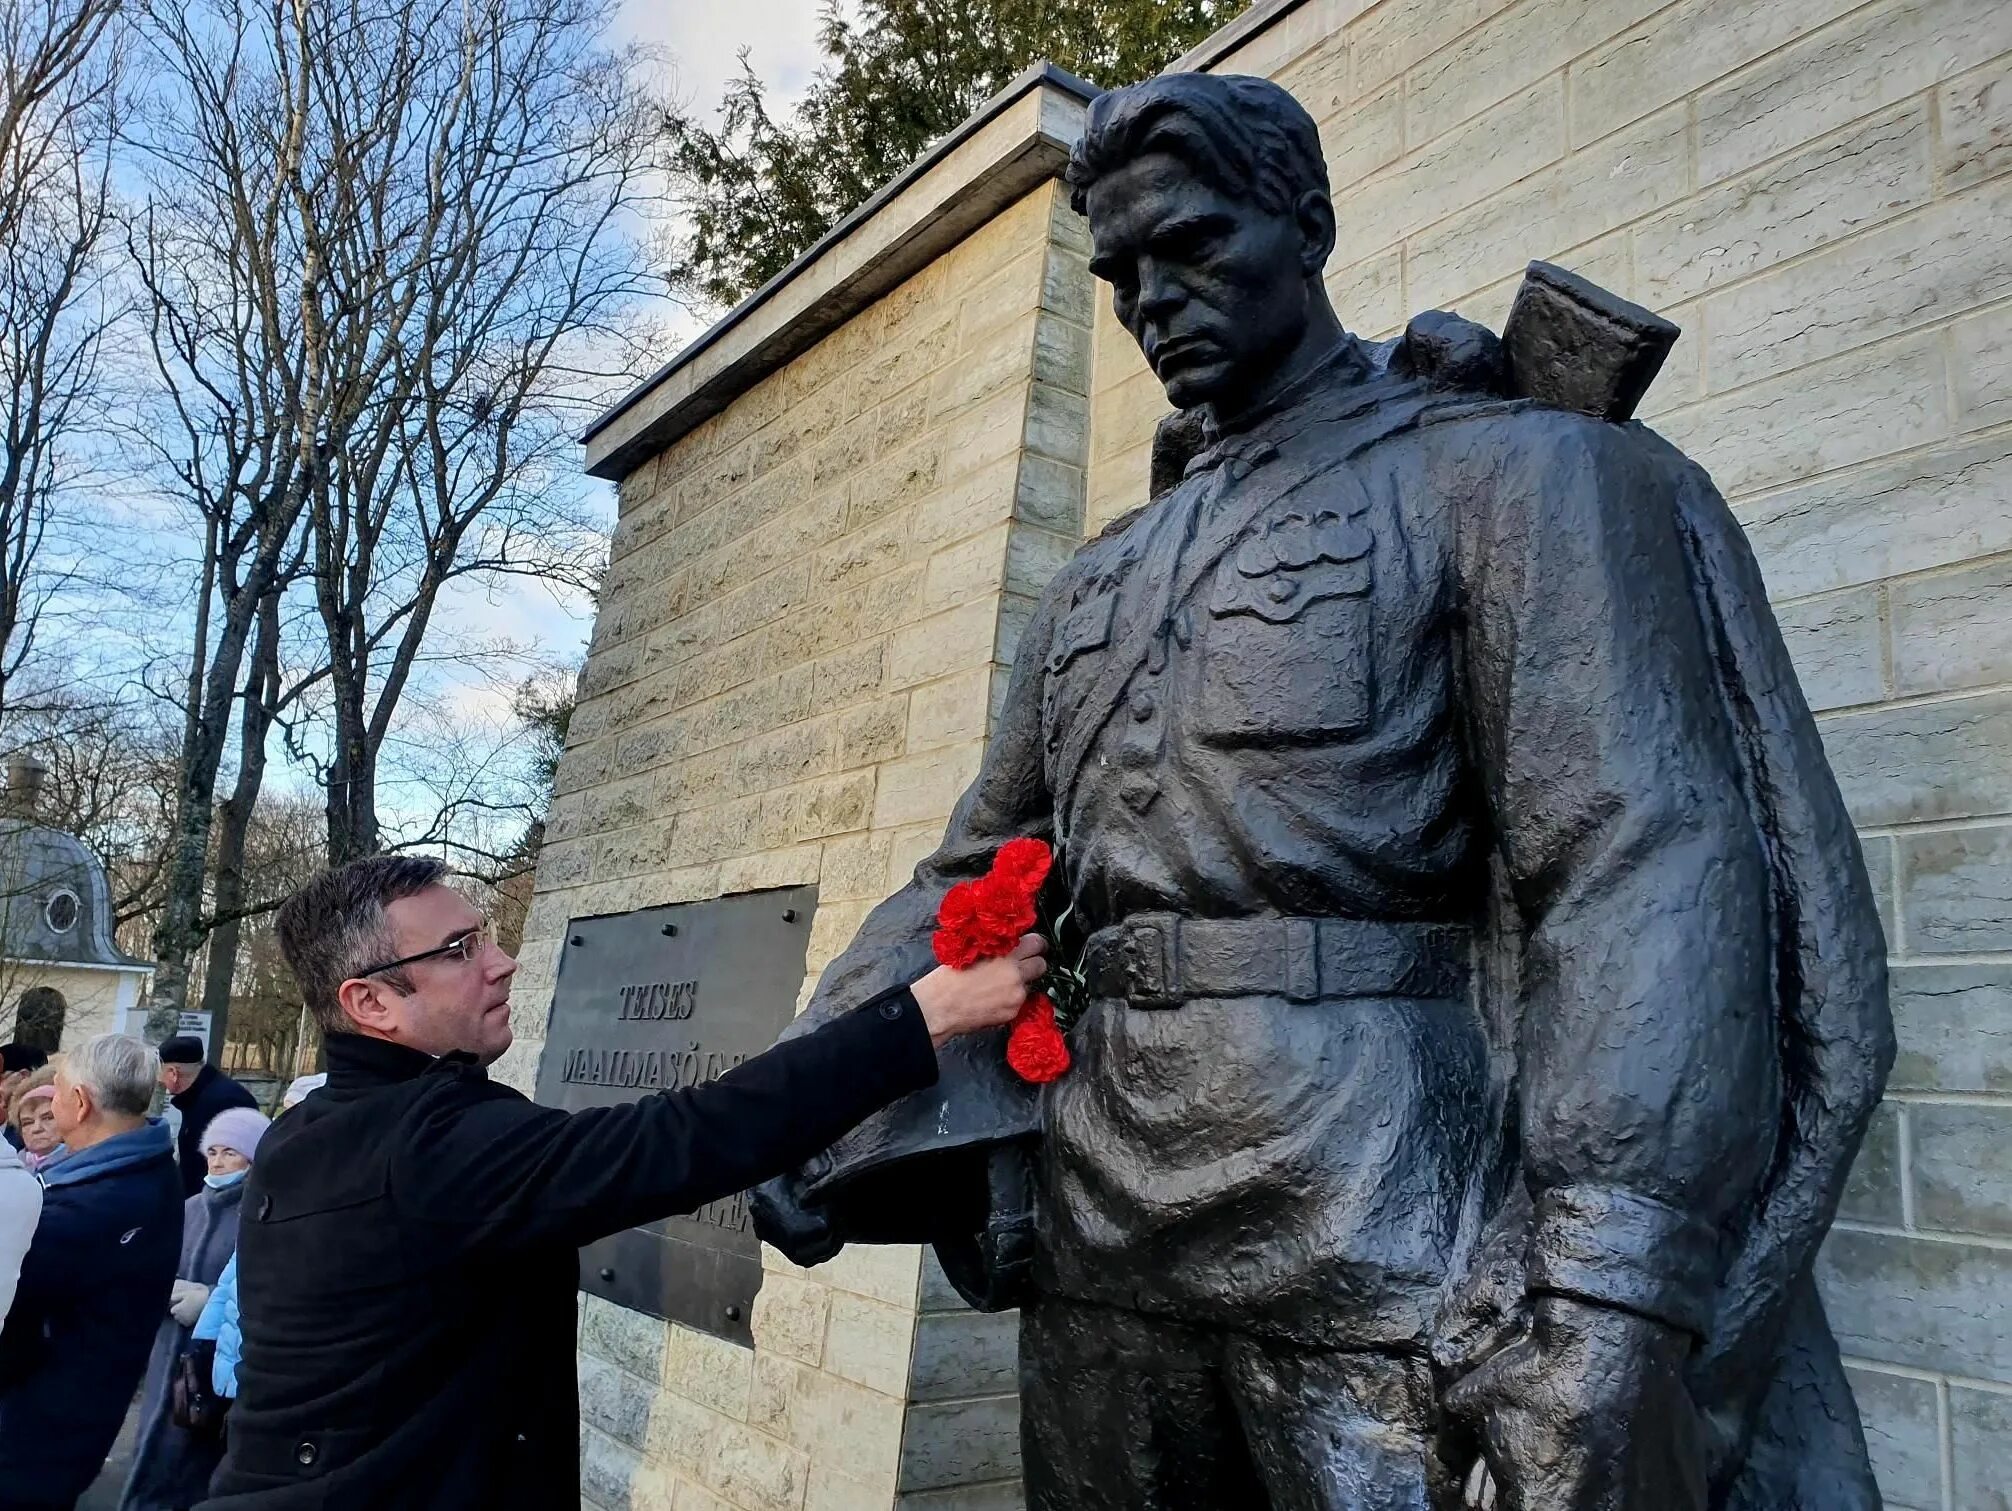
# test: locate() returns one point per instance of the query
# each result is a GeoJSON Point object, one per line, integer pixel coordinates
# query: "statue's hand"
{"type": "Point", "coordinates": [801, 1232]}
{"type": "Point", "coordinates": [1587, 1413]}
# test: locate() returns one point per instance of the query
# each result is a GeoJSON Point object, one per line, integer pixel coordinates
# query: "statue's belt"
{"type": "Point", "coordinates": [1156, 960]}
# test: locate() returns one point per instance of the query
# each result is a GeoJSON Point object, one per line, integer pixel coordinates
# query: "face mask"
{"type": "Point", "coordinates": [224, 1182]}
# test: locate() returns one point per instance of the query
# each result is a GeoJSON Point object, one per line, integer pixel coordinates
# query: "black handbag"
{"type": "Point", "coordinates": [193, 1402]}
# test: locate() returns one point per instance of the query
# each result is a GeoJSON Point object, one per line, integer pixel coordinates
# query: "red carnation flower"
{"type": "Point", "coordinates": [1004, 914]}
{"type": "Point", "coordinates": [1026, 861]}
{"type": "Point", "coordinates": [958, 942]}
{"type": "Point", "coordinates": [1035, 1048]}
{"type": "Point", "coordinates": [983, 920]}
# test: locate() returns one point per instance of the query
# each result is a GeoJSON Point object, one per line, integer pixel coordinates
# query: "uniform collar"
{"type": "Point", "coordinates": [1250, 438]}
{"type": "Point", "coordinates": [1346, 363]}
{"type": "Point", "coordinates": [358, 1061]}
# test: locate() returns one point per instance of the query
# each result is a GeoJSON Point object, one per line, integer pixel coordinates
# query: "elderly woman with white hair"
{"type": "Point", "coordinates": [95, 1279]}
{"type": "Point", "coordinates": [172, 1462]}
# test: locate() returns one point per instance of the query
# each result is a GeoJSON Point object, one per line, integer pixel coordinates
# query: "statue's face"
{"type": "Point", "coordinates": [1212, 288]}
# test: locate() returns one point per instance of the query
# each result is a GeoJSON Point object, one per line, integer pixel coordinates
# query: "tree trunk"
{"type": "Point", "coordinates": [234, 816]}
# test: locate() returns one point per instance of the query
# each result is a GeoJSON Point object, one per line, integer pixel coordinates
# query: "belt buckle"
{"type": "Point", "coordinates": [1150, 967]}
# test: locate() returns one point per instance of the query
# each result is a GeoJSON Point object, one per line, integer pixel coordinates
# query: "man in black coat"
{"type": "Point", "coordinates": [406, 1263]}
{"type": "Point", "coordinates": [95, 1283]}
{"type": "Point", "coordinates": [199, 1092]}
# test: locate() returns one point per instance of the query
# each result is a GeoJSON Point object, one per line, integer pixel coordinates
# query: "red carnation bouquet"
{"type": "Point", "coordinates": [983, 920]}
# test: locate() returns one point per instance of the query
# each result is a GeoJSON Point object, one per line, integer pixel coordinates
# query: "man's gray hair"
{"type": "Point", "coordinates": [334, 928]}
{"type": "Point", "coordinates": [118, 1070]}
{"type": "Point", "coordinates": [1244, 136]}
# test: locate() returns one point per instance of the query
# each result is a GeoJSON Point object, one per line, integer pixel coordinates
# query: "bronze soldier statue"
{"type": "Point", "coordinates": [1487, 994]}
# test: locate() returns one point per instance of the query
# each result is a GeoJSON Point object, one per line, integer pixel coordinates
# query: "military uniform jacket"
{"type": "Point", "coordinates": [1379, 642]}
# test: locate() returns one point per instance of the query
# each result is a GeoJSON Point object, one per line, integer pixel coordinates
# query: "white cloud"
{"type": "Point", "coordinates": [704, 39]}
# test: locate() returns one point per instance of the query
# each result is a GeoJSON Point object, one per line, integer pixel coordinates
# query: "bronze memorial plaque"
{"type": "Point", "coordinates": [655, 1000]}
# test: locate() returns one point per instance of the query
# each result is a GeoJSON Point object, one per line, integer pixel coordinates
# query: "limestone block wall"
{"type": "Point", "coordinates": [1820, 193]}
{"type": "Point", "coordinates": [812, 600]}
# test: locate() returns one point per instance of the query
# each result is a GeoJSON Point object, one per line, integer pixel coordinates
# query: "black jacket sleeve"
{"type": "Point", "coordinates": [505, 1173]}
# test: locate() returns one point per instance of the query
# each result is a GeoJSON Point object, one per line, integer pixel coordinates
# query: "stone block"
{"type": "Point", "coordinates": [1466, 166]}
{"type": "Point", "coordinates": [1001, 358]}
{"type": "Point", "coordinates": [953, 641]}
{"type": "Point", "coordinates": [1033, 557]}
{"type": "Point", "coordinates": [1920, 1302]}
{"type": "Point", "coordinates": [1318, 79]}
{"type": "Point", "coordinates": [744, 1467]}
{"type": "Point", "coordinates": [845, 1427]}
{"type": "Point", "coordinates": [1982, 367]}
{"type": "Point", "coordinates": [963, 1353]}
{"type": "Point", "coordinates": [1880, 860]}
{"type": "Point", "coordinates": [796, 866]}
{"type": "Point", "coordinates": [1838, 645]}
{"type": "Point", "coordinates": [1861, 176]}
{"type": "Point", "coordinates": [1049, 496]}
{"type": "Point", "coordinates": [949, 712]}
{"type": "Point", "coordinates": [1681, 49]}
{"type": "Point", "coordinates": [924, 787]}
{"type": "Point", "coordinates": [1952, 630]}
{"type": "Point", "coordinates": [1067, 289]}
{"type": "Point", "coordinates": [1519, 46]}
{"type": "Point", "coordinates": [789, 1316]}
{"type": "Point", "coordinates": [889, 1272]}
{"type": "Point", "coordinates": [708, 1370]}
{"type": "Point", "coordinates": [1903, 1434]}
{"type": "Point", "coordinates": [1961, 1161]}
{"type": "Point", "coordinates": [1058, 425]}
{"type": "Point", "coordinates": [1975, 112]}
{"type": "Point", "coordinates": [831, 805]}
{"type": "Point", "coordinates": [1956, 889]}
{"type": "Point", "coordinates": [1873, 57]}
{"type": "Point", "coordinates": [1923, 762]}
{"type": "Point", "coordinates": [1872, 1194]}
{"type": "Point", "coordinates": [844, 677]}
{"type": "Point", "coordinates": [1364, 138]}
{"type": "Point", "coordinates": [607, 1469]}
{"type": "Point", "coordinates": [1954, 1024]}
{"type": "Point", "coordinates": [977, 501]}
{"type": "Point", "coordinates": [771, 1379]}
{"type": "Point", "coordinates": [864, 554]}
{"type": "Point", "coordinates": [1118, 485]}
{"type": "Point", "coordinates": [613, 1401]}
{"type": "Point", "coordinates": [1369, 295]}
{"type": "Point", "coordinates": [971, 569]}
{"type": "Point", "coordinates": [1905, 515]}
{"type": "Point", "coordinates": [1062, 353]}
{"type": "Point", "coordinates": [872, 732]}
{"type": "Point", "coordinates": [1928, 266]}
{"type": "Point", "coordinates": [831, 1491]}
{"type": "Point", "coordinates": [833, 929]}
{"type": "Point", "coordinates": [869, 1342]}
{"type": "Point", "coordinates": [1980, 1444]}
{"type": "Point", "coordinates": [946, 1443]}
{"type": "Point", "coordinates": [1630, 174]}
{"type": "Point", "coordinates": [1822, 418]}
{"type": "Point", "coordinates": [1128, 413]}
{"type": "Point", "coordinates": [1399, 33]}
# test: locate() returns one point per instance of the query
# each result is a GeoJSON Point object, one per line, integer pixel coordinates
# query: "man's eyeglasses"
{"type": "Point", "coordinates": [463, 947]}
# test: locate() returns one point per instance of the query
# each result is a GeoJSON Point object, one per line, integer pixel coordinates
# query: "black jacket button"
{"type": "Point", "coordinates": [304, 1455]}
{"type": "Point", "coordinates": [891, 1009]}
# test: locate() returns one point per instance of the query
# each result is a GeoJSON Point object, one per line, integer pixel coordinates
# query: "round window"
{"type": "Point", "coordinates": [62, 911]}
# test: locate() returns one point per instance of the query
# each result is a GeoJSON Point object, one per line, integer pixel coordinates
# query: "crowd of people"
{"type": "Point", "coordinates": [121, 1241]}
{"type": "Point", "coordinates": [115, 1242]}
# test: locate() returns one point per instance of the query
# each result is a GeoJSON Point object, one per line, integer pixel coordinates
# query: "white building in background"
{"type": "Point", "coordinates": [61, 977]}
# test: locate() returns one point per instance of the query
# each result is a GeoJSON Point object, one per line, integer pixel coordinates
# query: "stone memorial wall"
{"type": "Point", "coordinates": [837, 507]}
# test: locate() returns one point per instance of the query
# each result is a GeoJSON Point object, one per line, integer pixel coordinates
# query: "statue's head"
{"type": "Point", "coordinates": [1210, 219]}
